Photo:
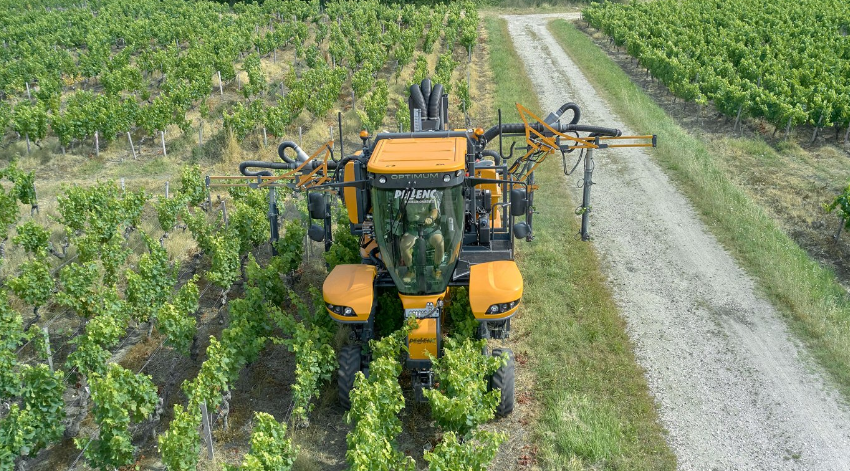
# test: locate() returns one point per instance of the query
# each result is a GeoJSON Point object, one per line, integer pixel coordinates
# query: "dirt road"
{"type": "Point", "coordinates": [734, 389]}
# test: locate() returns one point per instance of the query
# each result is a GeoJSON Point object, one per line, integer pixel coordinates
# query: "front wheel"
{"type": "Point", "coordinates": [504, 380]}
{"type": "Point", "coordinates": [349, 365]}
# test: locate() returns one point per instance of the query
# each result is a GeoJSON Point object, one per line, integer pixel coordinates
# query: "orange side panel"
{"type": "Point", "coordinates": [491, 283]}
{"type": "Point", "coordinates": [351, 286]}
{"type": "Point", "coordinates": [422, 342]}
{"type": "Point", "coordinates": [349, 194]}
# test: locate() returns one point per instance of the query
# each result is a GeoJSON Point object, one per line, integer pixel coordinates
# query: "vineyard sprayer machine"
{"type": "Point", "coordinates": [434, 210]}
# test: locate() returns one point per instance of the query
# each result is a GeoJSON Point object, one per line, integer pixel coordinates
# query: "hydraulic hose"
{"type": "Point", "coordinates": [373, 257]}
{"type": "Point", "coordinates": [594, 130]}
{"type": "Point", "coordinates": [244, 166]}
{"type": "Point", "coordinates": [425, 86]}
{"type": "Point", "coordinates": [434, 101]}
{"type": "Point", "coordinates": [497, 159]}
{"type": "Point", "coordinates": [418, 100]}
{"type": "Point", "coordinates": [519, 128]}
{"type": "Point", "coordinates": [341, 165]}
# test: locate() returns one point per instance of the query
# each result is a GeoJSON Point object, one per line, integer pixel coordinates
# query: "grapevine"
{"type": "Point", "coordinates": [37, 421]}
{"type": "Point", "coordinates": [32, 237]}
{"type": "Point", "coordinates": [473, 454]}
{"type": "Point", "coordinates": [753, 58]}
{"type": "Point", "coordinates": [270, 449]}
{"type": "Point", "coordinates": [176, 319]}
{"type": "Point", "coordinates": [463, 323]}
{"type": "Point", "coordinates": [150, 285]}
{"type": "Point", "coordinates": [80, 290]}
{"type": "Point", "coordinates": [168, 210]}
{"type": "Point", "coordinates": [841, 205]}
{"type": "Point", "coordinates": [346, 247]}
{"type": "Point", "coordinates": [34, 284]}
{"type": "Point", "coordinates": [461, 402]}
{"type": "Point", "coordinates": [119, 397]}
{"type": "Point", "coordinates": [11, 334]}
{"type": "Point", "coordinates": [192, 184]}
{"type": "Point", "coordinates": [291, 246]}
{"type": "Point", "coordinates": [375, 106]}
{"type": "Point", "coordinates": [101, 333]}
{"type": "Point", "coordinates": [181, 443]}
{"type": "Point", "coordinates": [375, 403]}
{"type": "Point", "coordinates": [310, 341]}
{"type": "Point", "coordinates": [114, 70]}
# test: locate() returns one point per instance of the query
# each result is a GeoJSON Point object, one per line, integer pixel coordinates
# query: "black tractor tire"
{"type": "Point", "coordinates": [483, 332]}
{"type": "Point", "coordinates": [349, 364]}
{"type": "Point", "coordinates": [504, 380]}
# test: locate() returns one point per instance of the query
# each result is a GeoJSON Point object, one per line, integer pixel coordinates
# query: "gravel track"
{"type": "Point", "coordinates": [733, 388]}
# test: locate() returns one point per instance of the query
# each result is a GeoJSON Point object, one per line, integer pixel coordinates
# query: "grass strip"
{"type": "Point", "coordinates": [816, 307]}
{"type": "Point", "coordinates": [596, 409]}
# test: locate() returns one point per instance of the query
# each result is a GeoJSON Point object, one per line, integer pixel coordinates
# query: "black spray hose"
{"type": "Point", "coordinates": [373, 257]}
{"type": "Point", "coordinates": [569, 106]}
{"type": "Point", "coordinates": [519, 129]}
{"type": "Point", "coordinates": [341, 165]}
{"type": "Point", "coordinates": [511, 128]}
{"type": "Point", "coordinates": [418, 100]}
{"type": "Point", "coordinates": [497, 159]}
{"type": "Point", "coordinates": [425, 86]}
{"type": "Point", "coordinates": [434, 101]}
{"type": "Point", "coordinates": [300, 155]}
{"type": "Point", "coordinates": [244, 166]}
{"type": "Point", "coordinates": [594, 130]}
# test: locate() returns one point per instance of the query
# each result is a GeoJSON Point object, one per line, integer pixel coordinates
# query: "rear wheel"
{"type": "Point", "coordinates": [503, 380]}
{"type": "Point", "coordinates": [349, 365]}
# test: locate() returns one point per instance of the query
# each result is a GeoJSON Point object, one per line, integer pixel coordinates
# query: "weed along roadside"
{"type": "Point", "coordinates": [594, 405]}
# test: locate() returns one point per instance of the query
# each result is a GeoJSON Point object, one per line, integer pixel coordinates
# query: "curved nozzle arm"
{"type": "Point", "coordinates": [552, 121]}
{"type": "Point", "coordinates": [288, 162]}
{"type": "Point", "coordinates": [556, 116]}
{"type": "Point", "coordinates": [300, 155]}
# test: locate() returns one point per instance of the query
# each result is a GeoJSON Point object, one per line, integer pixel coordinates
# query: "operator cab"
{"type": "Point", "coordinates": [418, 209]}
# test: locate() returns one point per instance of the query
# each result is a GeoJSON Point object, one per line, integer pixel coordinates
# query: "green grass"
{"type": "Point", "coordinates": [596, 411]}
{"type": "Point", "coordinates": [815, 305]}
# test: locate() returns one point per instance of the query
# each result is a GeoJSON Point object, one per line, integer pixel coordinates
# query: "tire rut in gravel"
{"type": "Point", "coordinates": [733, 388]}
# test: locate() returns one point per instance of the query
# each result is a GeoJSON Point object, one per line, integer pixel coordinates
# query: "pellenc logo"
{"type": "Point", "coordinates": [416, 194]}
